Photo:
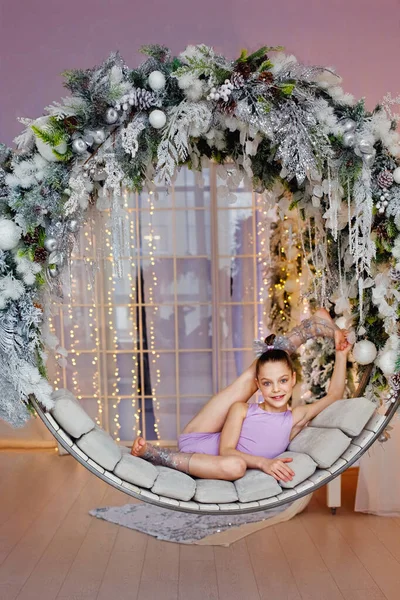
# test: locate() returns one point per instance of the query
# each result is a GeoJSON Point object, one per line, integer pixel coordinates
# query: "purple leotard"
{"type": "Point", "coordinates": [263, 434]}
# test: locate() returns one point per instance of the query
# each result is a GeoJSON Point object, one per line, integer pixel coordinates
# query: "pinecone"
{"type": "Point", "coordinates": [266, 77]}
{"type": "Point", "coordinates": [40, 255]}
{"type": "Point", "coordinates": [381, 231]}
{"type": "Point", "coordinates": [394, 274]}
{"type": "Point", "coordinates": [243, 69]}
{"type": "Point", "coordinates": [143, 99]}
{"type": "Point", "coordinates": [385, 179]}
{"type": "Point", "coordinates": [237, 80]}
{"type": "Point", "coordinates": [31, 239]}
{"type": "Point", "coordinates": [227, 107]}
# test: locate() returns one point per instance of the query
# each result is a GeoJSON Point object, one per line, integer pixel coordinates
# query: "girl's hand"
{"type": "Point", "coordinates": [341, 339]}
{"type": "Point", "coordinates": [277, 468]}
{"type": "Point", "coordinates": [344, 348]}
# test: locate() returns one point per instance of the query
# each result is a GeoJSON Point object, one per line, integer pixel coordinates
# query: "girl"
{"type": "Point", "coordinates": [228, 435]}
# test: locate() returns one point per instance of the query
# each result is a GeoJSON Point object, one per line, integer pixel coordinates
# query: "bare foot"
{"type": "Point", "coordinates": [138, 447]}
{"type": "Point", "coordinates": [340, 334]}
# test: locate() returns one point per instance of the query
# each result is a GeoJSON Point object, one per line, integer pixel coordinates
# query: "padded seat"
{"type": "Point", "coordinates": [318, 452]}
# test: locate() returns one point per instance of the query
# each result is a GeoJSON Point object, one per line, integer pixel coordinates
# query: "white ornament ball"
{"type": "Point", "coordinates": [156, 81]}
{"type": "Point", "coordinates": [10, 234]}
{"type": "Point", "coordinates": [46, 150]}
{"type": "Point", "coordinates": [364, 352]}
{"type": "Point", "coordinates": [396, 175]}
{"type": "Point", "coordinates": [387, 362]}
{"type": "Point", "coordinates": [157, 119]}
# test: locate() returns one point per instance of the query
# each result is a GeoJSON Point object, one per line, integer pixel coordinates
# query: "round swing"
{"type": "Point", "coordinates": [305, 147]}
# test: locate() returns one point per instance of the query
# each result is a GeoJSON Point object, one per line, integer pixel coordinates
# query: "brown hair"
{"type": "Point", "coordinates": [273, 355]}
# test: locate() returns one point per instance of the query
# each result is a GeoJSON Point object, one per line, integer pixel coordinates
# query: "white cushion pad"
{"type": "Point", "coordinates": [324, 446]}
{"type": "Point", "coordinates": [101, 448]}
{"type": "Point", "coordinates": [212, 491]}
{"type": "Point", "coordinates": [349, 415]}
{"type": "Point", "coordinates": [256, 485]}
{"type": "Point", "coordinates": [70, 415]}
{"type": "Point", "coordinates": [302, 465]}
{"type": "Point", "coordinates": [136, 470]}
{"type": "Point", "coordinates": [174, 484]}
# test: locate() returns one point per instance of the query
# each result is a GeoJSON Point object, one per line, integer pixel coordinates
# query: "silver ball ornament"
{"type": "Point", "coordinates": [396, 175]}
{"type": "Point", "coordinates": [50, 244]}
{"type": "Point", "coordinates": [348, 125]}
{"type": "Point", "coordinates": [79, 146]}
{"type": "Point", "coordinates": [365, 146]}
{"type": "Point", "coordinates": [99, 136]}
{"type": "Point", "coordinates": [88, 138]}
{"type": "Point", "coordinates": [53, 272]}
{"type": "Point", "coordinates": [157, 119]}
{"type": "Point", "coordinates": [349, 139]}
{"type": "Point", "coordinates": [73, 225]}
{"type": "Point", "coordinates": [364, 352]}
{"type": "Point", "coordinates": [56, 258]}
{"type": "Point", "coordinates": [156, 81]}
{"type": "Point", "coordinates": [369, 159]}
{"type": "Point", "coordinates": [111, 116]}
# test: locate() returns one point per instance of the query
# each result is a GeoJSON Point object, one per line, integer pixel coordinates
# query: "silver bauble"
{"type": "Point", "coordinates": [348, 125]}
{"type": "Point", "coordinates": [369, 159]}
{"type": "Point", "coordinates": [365, 146]}
{"type": "Point", "coordinates": [99, 136]}
{"type": "Point", "coordinates": [53, 272]}
{"type": "Point", "coordinates": [88, 139]}
{"type": "Point", "coordinates": [396, 175]}
{"type": "Point", "coordinates": [157, 119]}
{"type": "Point", "coordinates": [156, 80]}
{"type": "Point", "coordinates": [56, 258]}
{"type": "Point", "coordinates": [348, 139]}
{"type": "Point", "coordinates": [79, 146]}
{"type": "Point", "coordinates": [73, 225]}
{"type": "Point", "coordinates": [50, 244]}
{"type": "Point", "coordinates": [111, 116]}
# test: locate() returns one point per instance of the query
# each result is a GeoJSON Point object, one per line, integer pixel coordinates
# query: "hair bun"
{"type": "Point", "coordinates": [269, 340]}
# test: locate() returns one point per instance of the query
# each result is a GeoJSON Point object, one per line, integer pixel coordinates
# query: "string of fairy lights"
{"type": "Point", "coordinates": [153, 355]}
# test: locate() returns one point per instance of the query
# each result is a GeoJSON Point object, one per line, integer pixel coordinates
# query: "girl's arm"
{"type": "Point", "coordinates": [303, 414]}
{"type": "Point", "coordinates": [230, 436]}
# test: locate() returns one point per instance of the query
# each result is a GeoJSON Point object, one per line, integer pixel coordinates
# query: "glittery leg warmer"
{"type": "Point", "coordinates": [167, 458]}
{"type": "Point", "coordinates": [308, 329]}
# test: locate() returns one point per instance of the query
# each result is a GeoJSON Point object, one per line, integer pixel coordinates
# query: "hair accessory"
{"type": "Point", "coordinates": [259, 347]}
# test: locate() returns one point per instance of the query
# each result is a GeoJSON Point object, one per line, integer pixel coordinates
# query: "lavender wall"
{"type": "Point", "coordinates": [41, 38]}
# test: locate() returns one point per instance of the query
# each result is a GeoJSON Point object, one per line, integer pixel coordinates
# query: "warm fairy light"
{"type": "Point", "coordinates": [151, 238]}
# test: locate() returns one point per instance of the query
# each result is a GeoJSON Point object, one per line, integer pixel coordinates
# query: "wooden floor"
{"type": "Point", "coordinates": [50, 548]}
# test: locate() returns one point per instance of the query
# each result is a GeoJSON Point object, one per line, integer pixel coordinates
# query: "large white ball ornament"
{"type": "Point", "coordinates": [387, 362]}
{"type": "Point", "coordinates": [10, 234]}
{"type": "Point", "coordinates": [396, 175]}
{"type": "Point", "coordinates": [156, 81]}
{"type": "Point", "coordinates": [157, 119]}
{"type": "Point", "coordinates": [46, 150]}
{"type": "Point", "coordinates": [364, 352]}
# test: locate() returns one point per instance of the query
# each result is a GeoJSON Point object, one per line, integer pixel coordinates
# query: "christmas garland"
{"type": "Point", "coordinates": [267, 120]}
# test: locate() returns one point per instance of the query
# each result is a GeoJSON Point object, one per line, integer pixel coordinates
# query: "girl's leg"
{"type": "Point", "coordinates": [319, 325]}
{"type": "Point", "coordinates": [211, 418]}
{"type": "Point", "coordinates": [206, 466]}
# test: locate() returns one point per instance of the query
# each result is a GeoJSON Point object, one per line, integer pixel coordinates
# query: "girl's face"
{"type": "Point", "coordinates": [276, 382]}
